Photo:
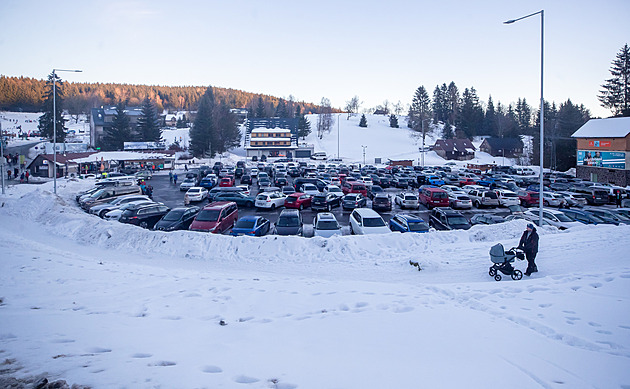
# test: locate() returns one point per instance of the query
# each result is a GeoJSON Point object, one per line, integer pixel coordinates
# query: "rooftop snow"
{"type": "Point", "coordinates": [604, 128]}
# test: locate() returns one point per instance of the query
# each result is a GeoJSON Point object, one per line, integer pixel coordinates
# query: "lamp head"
{"type": "Point", "coordinates": [509, 21]}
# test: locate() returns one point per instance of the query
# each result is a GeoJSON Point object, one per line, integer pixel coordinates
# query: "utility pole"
{"type": "Point", "coordinates": [364, 147]}
{"type": "Point", "coordinates": [2, 155]}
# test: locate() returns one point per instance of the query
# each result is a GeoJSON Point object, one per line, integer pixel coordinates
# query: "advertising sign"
{"type": "Point", "coordinates": [605, 159]}
{"type": "Point", "coordinates": [599, 143]}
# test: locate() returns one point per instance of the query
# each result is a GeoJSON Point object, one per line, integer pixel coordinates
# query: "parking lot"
{"type": "Point", "coordinates": [169, 194]}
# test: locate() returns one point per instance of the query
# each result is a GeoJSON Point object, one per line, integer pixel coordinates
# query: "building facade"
{"type": "Point", "coordinates": [603, 151]}
{"type": "Point", "coordinates": [457, 149]}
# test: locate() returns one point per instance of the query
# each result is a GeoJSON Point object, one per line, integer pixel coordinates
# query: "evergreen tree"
{"type": "Point", "coordinates": [564, 148]}
{"type": "Point", "coordinates": [490, 120]}
{"type": "Point", "coordinates": [281, 109]}
{"type": "Point", "coordinates": [447, 131]}
{"type": "Point", "coordinates": [202, 132]}
{"type": "Point", "coordinates": [523, 116]}
{"type": "Point", "coordinates": [470, 119]}
{"type": "Point", "coordinates": [393, 121]}
{"type": "Point", "coordinates": [616, 93]}
{"type": "Point", "coordinates": [120, 130]}
{"type": "Point", "coordinates": [363, 121]}
{"type": "Point", "coordinates": [452, 103]}
{"type": "Point", "coordinates": [420, 109]}
{"type": "Point", "coordinates": [45, 126]}
{"type": "Point", "coordinates": [148, 128]}
{"type": "Point", "coordinates": [304, 126]}
{"type": "Point", "coordinates": [228, 135]}
{"type": "Point", "coordinates": [260, 109]}
{"type": "Point", "coordinates": [440, 104]}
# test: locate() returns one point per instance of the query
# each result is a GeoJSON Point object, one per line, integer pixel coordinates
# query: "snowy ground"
{"type": "Point", "coordinates": [111, 305]}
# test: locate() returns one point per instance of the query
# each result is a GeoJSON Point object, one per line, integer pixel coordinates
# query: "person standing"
{"type": "Point", "coordinates": [618, 197]}
{"type": "Point", "coordinates": [26, 176]}
{"type": "Point", "coordinates": [529, 244]}
{"type": "Point", "coordinates": [170, 176]}
{"type": "Point", "coordinates": [175, 179]}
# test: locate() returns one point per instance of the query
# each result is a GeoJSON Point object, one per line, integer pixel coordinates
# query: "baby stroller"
{"type": "Point", "coordinates": [502, 262]}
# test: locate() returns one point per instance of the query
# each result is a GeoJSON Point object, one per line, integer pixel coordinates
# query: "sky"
{"type": "Point", "coordinates": [335, 49]}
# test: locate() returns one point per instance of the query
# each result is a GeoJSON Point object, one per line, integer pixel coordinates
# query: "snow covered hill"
{"type": "Point", "coordinates": [111, 305]}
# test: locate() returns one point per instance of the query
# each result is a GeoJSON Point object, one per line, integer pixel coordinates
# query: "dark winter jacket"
{"type": "Point", "coordinates": [529, 244]}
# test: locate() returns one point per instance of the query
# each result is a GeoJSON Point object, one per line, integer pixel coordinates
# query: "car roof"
{"type": "Point", "coordinates": [218, 205]}
{"type": "Point", "coordinates": [366, 212]}
{"type": "Point", "coordinates": [409, 218]}
{"type": "Point", "coordinates": [251, 217]}
{"type": "Point", "coordinates": [326, 216]}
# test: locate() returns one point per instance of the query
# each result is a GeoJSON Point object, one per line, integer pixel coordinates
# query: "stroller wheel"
{"type": "Point", "coordinates": [497, 277]}
{"type": "Point", "coordinates": [492, 272]}
{"type": "Point", "coordinates": [517, 275]}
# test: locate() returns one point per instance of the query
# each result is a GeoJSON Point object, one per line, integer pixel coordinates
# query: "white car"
{"type": "Point", "coordinates": [459, 200]}
{"type": "Point", "coordinates": [334, 190]}
{"type": "Point", "coordinates": [254, 172]}
{"type": "Point", "coordinates": [367, 181]}
{"type": "Point", "coordinates": [101, 209]}
{"type": "Point", "coordinates": [196, 193]}
{"type": "Point", "coordinates": [246, 188]}
{"type": "Point", "coordinates": [507, 197]}
{"type": "Point", "coordinates": [407, 200]}
{"type": "Point", "coordinates": [554, 217]}
{"type": "Point", "coordinates": [325, 225]}
{"type": "Point", "coordinates": [468, 188]}
{"type": "Point", "coordinates": [270, 200]}
{"type": "Point", "coordinates": [364, 221]}
{"type": "Point", "coordinates": [553, 200]}
{"type": "Point", "coordinates": [452, 189]}
{"type": "Point", "coordinates": [187, 184]}
{"type": "Point", "coordinates": [310, 189]}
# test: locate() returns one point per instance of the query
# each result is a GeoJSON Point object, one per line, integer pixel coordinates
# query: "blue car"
{"type": "Point", "coordinates": [251, 226]}
{"type": "Point", "coordinates": [586, 217]}
{"type": "Point", "coordinates": [408, 223]}
{"type": "Point", "coordinates": [435, 180]}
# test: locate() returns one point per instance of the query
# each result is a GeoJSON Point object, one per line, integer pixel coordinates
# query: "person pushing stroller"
{"type": "Point", "coordinates": [529, 244]}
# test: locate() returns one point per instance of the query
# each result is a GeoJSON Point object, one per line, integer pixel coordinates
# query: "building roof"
{"type": "Point", "coordinates": [450, 145]}
{"type": "Point", "coordinates": [271, 130]}
{"type": "Point", "coordinates": [504, 143]}
{"type": "Point", "coordinates": [604, 128]}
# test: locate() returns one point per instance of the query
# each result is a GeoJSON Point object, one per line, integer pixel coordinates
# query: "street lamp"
{"type": "Point", "coordinates": [55, 124]}
{"type": "Point", "coordinates": [542, 125]}
{"type": "Point", "coordinates": [338, 116]}
{"type": "Point", "coordinates": [364, 147]}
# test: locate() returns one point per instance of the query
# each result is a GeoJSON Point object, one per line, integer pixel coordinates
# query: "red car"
{"type": "Point", "coordinates": [466, 181]}
{"type": "Point", "coordinates": [528, 198]}
{"type": "Point", "coordinates": [227, 181]}
{"type": "Point", "coordinates": [297, 200]}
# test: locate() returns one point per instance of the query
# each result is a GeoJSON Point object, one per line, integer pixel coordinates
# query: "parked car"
{"type": "Point", "coordinates": [325, 202]}
{"type": "Point", "coordinates": [246, 179]}
{"type": "Point", "coordinates": [226, 181]}
{"type": "Point", "coordinates": [107, 194]}
{"type": "Point", "coordinates": [353, 200]}
{"type": "Point", "coordinates": [407, 200]}
{"type": "Point", "coordinates": [298, 200]}
{"type": "Point", "coordinates": [374, 190]}
{"type": "Point", "coordinates": [239, 197]}
{"type": "Point", "coordinates": [325, 225]}
{"type": "Point", "coordinates": [507, 197]}
{"type": "Point", "coordinates": [572, 199]}
{"type": "Point", "coordinates": [187, 184]}
{"type": "Point", "coordinates": [459, 200]}
{"type": "Point", "coordinates": [486, 218]}
{"type": "Point", "coordinates": [586, 217]}
{"type": "Point", "coordinates": [382, 202]}
{"type": "Point", "coordinates": [216, 217]}
{"type": "Point", "coordinates": [448, 219]}
{"type": "Point", "coordinates": [208, 182]}
{"type": "Point", "coordinates": [289, 223]}
{"type": "Point", "coordinates": [334, 190]}
{"type": "Point", "coordinates": [608, 214]}
{"type": "Point", "coordinates": [433, 197]}
{"type": "Point", "coordinates": [177, 219]}
{"type": "Point", "coordinates": [116, 213]}
{"type": "Point", "coordinates": [116, 202]}
{"type": "Point", "coordinates": [365, 221]}
{"type": "Point", "coordinates": [484, 198]}
{"type": "Point", "coordinates": [144, 216]}
{"type": "Point", "coordinates": [528, 198]}
{"type": "Point", "coordinates": [310, 189]}
{"type": "Point", "coordinates": [251, 225]}
{"type": "Point", "coordinates": [354, 187]}
{"type": "Point", "coordinates": [196, 193]}
{"type": "Point", "coordinates": [555, 218]}
{"type": "Point", "coordinates": [551, 199]}
{"type": "Point", "coordinates": [270, 200]}
{"type": "Point", "coordinates": [408, 223]}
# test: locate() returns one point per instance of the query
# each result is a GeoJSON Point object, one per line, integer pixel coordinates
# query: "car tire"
{"type": "Point", "coordinates": [144, 225]}
{"type": "Point", "coordinates": [351, 229]}
{"type": "Point", "coordinates": [273, 207]}
{"type": "Point", "coordinates": [301, 207]}
{"type": "Point", "coordinates": [249, 204]}
{"type": "Point", "coordinates": [102, 213]}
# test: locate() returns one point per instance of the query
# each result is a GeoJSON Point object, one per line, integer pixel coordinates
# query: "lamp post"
{"type": "Point", "coordinates": [55, 124]}
{"type": "Point", "coordinates": [364, 147]}
{"type": "Point", "coordinates": [542, 125]}
{"type": "Point", "coordinates": [338, 116]}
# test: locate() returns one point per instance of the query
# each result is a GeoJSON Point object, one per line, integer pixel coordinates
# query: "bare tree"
{"type": "Point", "coordinates": [325, 119]}
{"type": "Point", "coordinates": [352, 106]}
{"type": "Point", "coordinates": [399, 108]}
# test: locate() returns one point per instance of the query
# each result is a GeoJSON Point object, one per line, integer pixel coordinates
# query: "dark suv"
{"type": "Point", "coordinates": [382, 202]}
{"type": "Point", "coordinates": [289, 223]}
{"type": "Point", "coordinates": [448, 219]}
{"type": "Point", "coordinates": [325, 202]}
{"type": "Point", "coordinates": [144, 216]}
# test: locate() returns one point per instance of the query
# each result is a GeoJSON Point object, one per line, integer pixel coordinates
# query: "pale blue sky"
{"type": "Point", "coordinates": [336, 49]}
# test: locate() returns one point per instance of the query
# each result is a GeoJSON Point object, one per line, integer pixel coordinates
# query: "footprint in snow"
{"type": "Point", "coordinates": [98, 350]}
{"type": "Point", "coordinates": [596, 285]}
{"type": "Point", "coordinates": [141, 355]}
{"type": "Point", "coordinates": [162, 363]}
{"type": "Point", "coordinates": [243, 379]}
{"type": "Point", "coordinates": [212, 369]}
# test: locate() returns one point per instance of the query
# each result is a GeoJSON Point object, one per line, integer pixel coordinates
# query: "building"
{"type": "Point", "coordinates": [102, 118]}
{"type": "Point", "coordinates": [271, 137]}
{"type": "Point", "coordinates": [603, 151]}
{"type": "Point", "coordinates": [458, 149]}
{"type": "Point", "coordinates": [502, 147]}
{"type": "Point", "coordinates": [41, 166]}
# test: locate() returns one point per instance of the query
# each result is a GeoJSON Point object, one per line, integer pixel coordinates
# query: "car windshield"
{"type": "Point", "coordinates": [620, 216]}
{"type": "Point", "coordinates": [562, 217]}
{"type": "Point", "coordinates": [410, 198]}
{"type": "Point", "coordinates": [208, 215]}
{"type": "Point", "coordinates": [457, 220]}
{"type": "Point", "coordinates": [288, 222]}
{"type": "Point", "coordinates": [418, 226]}
{"type": "Point", "coordinates": [97, 193]}
{"type": "Point", "coordinates": [173, 215]}
{"type": "Point", "coordinates": [373, 222]}
{"type": "Point", "coordinates": [491, 195]}
{"type": "Point", "coordinates": [246, 224]}
{"type": "Point", "coordinates": [327, 225]}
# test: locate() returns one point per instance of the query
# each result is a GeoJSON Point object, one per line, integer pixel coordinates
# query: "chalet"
{"type": "Point", "coordinates": [271, 137]}
{"type": "Point", "coordinates": [458, 149]}
{"type": "Point", "coordinates": [603, 151]}
{"type": "Point", "coordinates": [102, 118]}
{"type": "Point", "coordinates": [502, 147]}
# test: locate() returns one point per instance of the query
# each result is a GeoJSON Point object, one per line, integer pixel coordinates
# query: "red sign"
{"type": "Point", "coordinates": [599, 143]}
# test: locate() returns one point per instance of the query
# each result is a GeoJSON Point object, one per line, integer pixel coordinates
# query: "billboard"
{"type": "Point", "coordinates": [605, 159]}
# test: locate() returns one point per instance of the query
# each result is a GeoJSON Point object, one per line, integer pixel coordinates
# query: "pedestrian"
{"type": "Point", "coordinates": [185, 167]}
{"type": "Point", "coordinates": [170, 176]}
{"type": "Point", "coordinates": [22, 178]}
{"type": "Point", "coordinates": [175, 179]}
{"type": "Point", "coordinates": [26, 175]}
{"type": "Point", "coordinates": [618, 197]}
{"type": "Point", "coordinates": [16, 171]}
{"type": "Point", "coordinates": [8, 174]}
{"type": "Point", "coordinates": [529, 244]}
{"type": "Point", "coordinates": [150, 191]}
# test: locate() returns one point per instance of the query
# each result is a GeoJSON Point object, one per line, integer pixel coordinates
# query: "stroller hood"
{"type": "Point", "coordinates": [497, 253]}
